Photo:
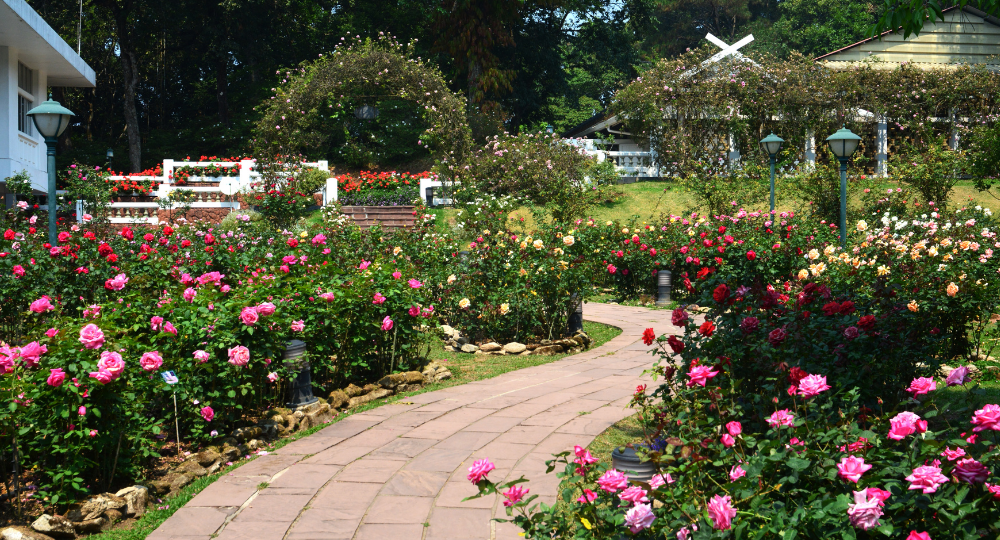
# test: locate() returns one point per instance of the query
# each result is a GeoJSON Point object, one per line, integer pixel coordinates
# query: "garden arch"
{"type": "Point", "coordinates": [342, 88]}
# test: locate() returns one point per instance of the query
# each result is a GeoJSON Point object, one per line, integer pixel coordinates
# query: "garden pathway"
{"type": "Point", "coordinates": [399, 471]}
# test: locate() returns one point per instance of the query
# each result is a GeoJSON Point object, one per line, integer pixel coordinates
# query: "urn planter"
{"type": "Point", "coordinates": [635, 468]}
{"type": "Point", "coordinates": [300, 381]}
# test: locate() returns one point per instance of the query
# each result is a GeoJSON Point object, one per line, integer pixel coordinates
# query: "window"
{"type": "Point", "coordinates": [25, 98]}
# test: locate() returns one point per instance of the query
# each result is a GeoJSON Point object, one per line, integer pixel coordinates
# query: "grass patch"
{"type": "Point", "coordinates": [625, 431]}
{"type": "Point", "coordinates": [464, 367]}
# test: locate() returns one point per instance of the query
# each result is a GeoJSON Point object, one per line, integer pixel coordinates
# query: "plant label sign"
{"type": "Point", "coordinates": [169, 377]}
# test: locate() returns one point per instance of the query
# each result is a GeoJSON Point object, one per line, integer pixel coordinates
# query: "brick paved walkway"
{"type": "Point", "coordinates": [398, 471]}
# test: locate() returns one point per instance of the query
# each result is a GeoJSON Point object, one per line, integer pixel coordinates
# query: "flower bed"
{"type": "Point", "coordinates": [380, 189]}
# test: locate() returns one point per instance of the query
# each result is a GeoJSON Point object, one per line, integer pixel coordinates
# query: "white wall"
{"type": "Point", "coordinates": [19, 151]}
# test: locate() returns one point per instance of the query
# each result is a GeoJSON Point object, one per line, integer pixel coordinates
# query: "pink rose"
{"type": "Point", "coordinates": [728, 440]}
{"type": "Point", "coordinates": [91, 336]}
{"type": "Point", "coordinates": [479, 470]}
{"type": "Point", "coordinates": [31, 353]}
{"type": "Point", "coordinates": [734, 428]}
{"type": "Point", "coordinates": [514, 495]}
{"type": "Point", "coordinates": [266, 309]}
{"type": "Point", "coordinates": [971, 471]}
{"type": "Point", "coordinates": [387, 324]}
{"type": "Point", "coordinates": [116, 283]}
{"type": "Point", "coordinates": [155, 322]}
{"type": "Point", "coordinates": [987, 418]}
{"type": "Point", "coordinates": [249, 316]}
{"type": "Point", "coordinates": [41, 305]}
{"type": "Point", "coordinates": [272, 377]}
{"type": "Point", "coordinates": [239, 356]}
{"type": "Point", "coordinates": [736, 473]}
{"type": "Point", "coordinates": [865, 511]}
{"type": "Point", "coordinates": [414, 311]}
{"type": "Point", "coordinates": [958, 376]}
{"type": "Point", "coordinates": [189, 294]}
{"type": "Point", "coordinates": [51, 332]}
{"type": "Point", "coordinates": [414, 284]}
{"type": "Point", "coordinates": [780, 418]}
{"type": "Point", "coordinates": [634, 495]}
{"type": "Point", "coordinates": [201, 356]}
{"type": "Point", "coordinates": [298, 326]}
{"type": "Point", "coordinates": [18, 271]}
{"type": "Point", "coordinates": [700, 375]}
{"type": "Point", "coordinates": [612, 481]}
{"type": "Point", "coordinates": [319, 240]}
{"type": "Point", "coordinates": [851, 468]}
{"type": "Point", "coordinates": [721, 512]}
{"type": "Point", "coordinates": [659, 480]}
{"type": "Point", "coordinates": [82, 411]}
{"type": "Point", "coordinates": [812, 385]}
{"type": "Point", "coordinates": [880, 494]}
{"type": "Point", "coordinates": [914, 535]}
{"type": "Point", "coordinates": [922, 385]}
{"type": "Point", "coordinates": [905, 423]}
{"type": "Point", "coordinates": [328, 296]}
{"type": "Point", "coordinates": [102, 376]}
{"type": "Point", "coordinates": [151, 361]}
{"type": "Point", "coordinates": [207, 413]}
{"type": "Point", "coordinates": [952, 455]}
{"type": "Point", "coordinates": [396, 275]}
{"type": "Point", "coordinates": [378, 299]}
{"type": "Point", "coordinates": [589, 496]}
{"type": "Point", "coordinates": [169, 328]}
{"type": "Point", "coordinates": [639, 517]}
{"type": "Point", "coordinates": [56, 377]}
{"type": "Point", "coordinates": [364, 264]}
{"type": "Point", "coordinates": [926, 478]}
{"type": "Point", "coordinates": [112, 363]}
{"type": "Point", "coordinates": [993, 490]}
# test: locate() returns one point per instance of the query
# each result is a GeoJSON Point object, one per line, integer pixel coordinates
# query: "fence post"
{"type": "Point", "coordinates": [881, 145]}
{"type": "Point", "coordinates": [168, 171]}
{"type": "Point", "coordinates": [245, 166]}
{"type": "Point", "coordinates": [323, 165]}
{"type": "Point", "coordinates": [330, 194]}
{"type": "Point", "coordinates": [663, 287]}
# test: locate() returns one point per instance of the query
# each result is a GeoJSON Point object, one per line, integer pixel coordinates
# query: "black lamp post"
{"type": "Point", "coordinates": [843, 143]}
{"type": "Point", "coordinates": [772, 145]}
{"type": "Point", "coordinates": [51, 120]}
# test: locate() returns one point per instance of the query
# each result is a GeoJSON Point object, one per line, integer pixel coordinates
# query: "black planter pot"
{"type": "Point", "coordinates": [628, 462]}
{"type": "Point", "coordinates": [300, 384]}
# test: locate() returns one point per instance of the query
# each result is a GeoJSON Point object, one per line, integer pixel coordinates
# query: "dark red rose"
{"type": "Point", "coordinates": [777, 336]}
{"type": "Point", "coordinates": [679, 317]}
{"type": "Point", "coordinates": [675, 344]}
{"type": "Point", "coordinates": [104, 250]}
{"type": "Point", "coordinates": [796, 374]}
{"type": "Point", "coordinates": [847, 308]}
{"type": "Point", "coordinates": [749, 325]}
{"type": "Point", "coordinates": [831, 309]}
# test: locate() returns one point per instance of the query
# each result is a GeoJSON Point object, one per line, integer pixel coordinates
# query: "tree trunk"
{"type": "Point", "coordinates": [130, 80]}
{"type": "Point", "coordinates": [222, 89]}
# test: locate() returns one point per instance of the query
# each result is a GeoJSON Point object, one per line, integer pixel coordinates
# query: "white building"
{"type": "Point", "coordinates": [32, 58]}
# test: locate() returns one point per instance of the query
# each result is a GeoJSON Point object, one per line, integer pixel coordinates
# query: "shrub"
{"type": "Point", "coordinates": [819, 188]}
{"type": "Point", "coordinates": [718, 188]}
{"type": "Point", "coordinates": [534, 167]}
{"type": "Point", "coordinates": [932, 172]}
{"type": "Point", "coordinates": [311, 180]}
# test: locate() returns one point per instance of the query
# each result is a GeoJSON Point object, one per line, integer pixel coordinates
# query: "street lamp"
{"type": "Point", "coordinates": [51, 120]}
{"type": "Point", "coordinates": [110, 155]}
{"type": "Point", "coordinates": [843, 143]}
{"type": "Point", "coordinates": [772, 145]}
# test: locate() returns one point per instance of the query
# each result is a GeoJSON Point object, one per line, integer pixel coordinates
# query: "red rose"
{"type": "Point", "coordinates": [209, 239]}
{"type": "Point", "coordinates": [675, 344]}
{"type": "Point", "coordinates": [148, 237]}
{"type": "Point", "coordinates": [866, 323]}
{"type": "Point", "coordinates": [8, 235]}
{"type": "Point", "coordinates": [104, 250]}
{"type": "Point", "coordinates": [648, 336]}
{"type": "Point", "coordinates": [751, 255]}
{"type": "Point", "coordinates": [31, 230]}
{"type": "Point", "coordinates": [707, 328]}
{"type": "Point", "coordinates": [847, 308]}
{"type": "Point", "coordinates": [679, 317]}
{"type": "Point", "coordinates": [721, 294]}
{"type": "Point", "coordinates": [831, 309]}
{"type": "Point", "coordinates": [292, 242]}
{"type": "Point", "coordinates": [127, 233]}
{"type": "Point", "coordinates": [112, 258]}
{"type": "Point", "coordinates": [796, 374]}
{"type": "Point", "coordinates": [185, 243]}
{"type": "Point", "coordinates": [777, 336]}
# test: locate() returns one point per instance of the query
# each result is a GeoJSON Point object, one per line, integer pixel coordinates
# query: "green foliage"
{"type": "Point", "coordinates": [19, 184]}
{"type": "Point", "coordinates": [721, 189]}
{"type": "Point", "coordinates": [816, 27]}
{"type": "Point", "coordinates": [311, 180]}
{"type": "Point", "coordinates": [932, 172]}
{"type": "Point", "coordinates": [91, 186]}
{"type": "Point", "coordinates": [536, 168]}
{"type": "Point", "coordinates": [314, 111]}
{"type": "Point", "coordinates": [819, 188]}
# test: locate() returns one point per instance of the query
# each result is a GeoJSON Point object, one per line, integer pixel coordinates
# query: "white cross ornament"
{"type": "Point", "coordinates": [728, 50]}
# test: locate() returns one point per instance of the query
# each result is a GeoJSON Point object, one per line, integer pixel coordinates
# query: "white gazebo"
{"type": "Point", "coordinates": [32, 58]}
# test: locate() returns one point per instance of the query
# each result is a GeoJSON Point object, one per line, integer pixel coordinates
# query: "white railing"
{"type": "Point", "coordinates": [640, 164]}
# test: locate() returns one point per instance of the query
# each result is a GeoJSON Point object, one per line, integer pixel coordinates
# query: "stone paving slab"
{"type": "Point", "coordinates": [399, 471]}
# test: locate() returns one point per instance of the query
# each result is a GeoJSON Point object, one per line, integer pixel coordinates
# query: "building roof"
{"type": "Point", "coordinates": [40, 47]}
{"type": "Point", "coordinates": [965, 36]}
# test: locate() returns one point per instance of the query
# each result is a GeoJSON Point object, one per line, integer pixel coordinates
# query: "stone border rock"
{"type": "Point", "coordinates": [456, 342]}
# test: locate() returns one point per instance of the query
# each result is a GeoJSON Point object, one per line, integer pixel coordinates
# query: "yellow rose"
{"type": "Point", "coordinates": [504, 308]}
{"type": "Point", "coordinates": [397, 250]}
{"type": "Point", "coordinates": [568, 241]}
{"type": "Point", "coordinates": [803, 274]}
{"type": "Point", "coordinates": [464, 303]}
{"type": "Point", "coordinates": [451, 279]}
{"type": "Point", "coordinates": [862, 225]}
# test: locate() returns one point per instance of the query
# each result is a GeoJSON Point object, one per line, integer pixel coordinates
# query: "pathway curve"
{"type": "Point", "coordinates": [399, 471]}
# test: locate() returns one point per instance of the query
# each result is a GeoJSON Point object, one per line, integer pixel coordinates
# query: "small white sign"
{"type": "Point", "coordinates": [169, 377]}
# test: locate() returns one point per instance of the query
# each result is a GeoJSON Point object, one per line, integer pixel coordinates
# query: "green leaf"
{"type": "Point", "coordinates": [798, 464]}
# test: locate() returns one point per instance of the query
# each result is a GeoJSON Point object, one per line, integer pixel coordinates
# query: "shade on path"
{"type": "Point", "coordinates": [399, 471]}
